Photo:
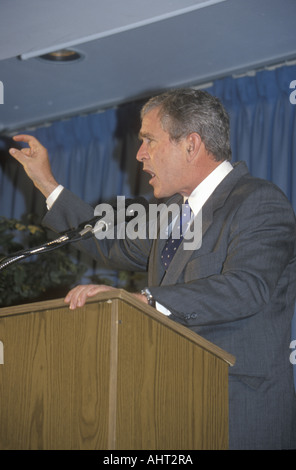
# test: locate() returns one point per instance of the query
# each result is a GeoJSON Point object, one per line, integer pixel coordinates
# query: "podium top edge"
{"type": "Point", "coordinates": [120, 294]}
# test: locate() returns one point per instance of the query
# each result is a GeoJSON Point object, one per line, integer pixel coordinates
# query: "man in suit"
{"type": "Point", "coordinates": [237, 289]}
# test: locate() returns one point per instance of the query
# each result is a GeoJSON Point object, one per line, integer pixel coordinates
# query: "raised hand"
{"type": "Point", "coordinates": [36, 163]}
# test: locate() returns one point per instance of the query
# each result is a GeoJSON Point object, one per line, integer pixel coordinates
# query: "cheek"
{"type": "Point", "coordinates": [167, 162]}
{"type": "Point", "coordinates": [163, 158]}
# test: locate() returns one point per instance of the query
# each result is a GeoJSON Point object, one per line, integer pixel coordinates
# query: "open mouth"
{"type": "Point", "coordinates": [151, 174]}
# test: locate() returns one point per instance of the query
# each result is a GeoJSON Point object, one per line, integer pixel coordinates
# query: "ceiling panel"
{"type": "Point", "coordinates": [138, 53]}
{"type": "Point", "coordinates": [29, 28]}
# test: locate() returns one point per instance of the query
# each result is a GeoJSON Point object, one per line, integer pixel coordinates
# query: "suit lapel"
{"type": "Point", "coordinates": [216, 200]}
{"type": "Point", "coordinates": [156, 270]}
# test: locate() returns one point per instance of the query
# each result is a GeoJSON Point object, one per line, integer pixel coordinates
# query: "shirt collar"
{"type": "Point", "coordinates": [204, 190]}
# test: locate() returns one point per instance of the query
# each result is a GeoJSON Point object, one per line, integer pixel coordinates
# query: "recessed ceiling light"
{"type": "Point", "coordinates": [63, 55]}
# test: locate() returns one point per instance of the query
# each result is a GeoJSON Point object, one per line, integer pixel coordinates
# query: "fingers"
{"type": "Point", "coordinates": [23, 154]}
{"type": "Point", "coordinates": [34, 145]}
{"type": "Point", "coordinates": [26, 151]}
{"type": "Point", "coordinates": [36, 163]}
{"type": "Point", "coordinates": [28, 139]}
{"type": "Point", "coordinates": [78, 296]}
{"type": "Point", "coordinates": [20, 155]}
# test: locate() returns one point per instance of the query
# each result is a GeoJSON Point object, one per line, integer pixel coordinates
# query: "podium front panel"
{"type": "Point", "coordinates": [54, 382]}
{"type": "Point", "coordinates": [114, 374]}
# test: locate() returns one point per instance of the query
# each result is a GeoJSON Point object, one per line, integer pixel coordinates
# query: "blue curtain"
{"type": "Point", "coordinates": [263, 123]}
{"type": "Point", "coordinates": [94, 155]}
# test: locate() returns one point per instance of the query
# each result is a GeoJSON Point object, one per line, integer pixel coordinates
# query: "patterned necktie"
{"type": "Point", "coordinates": [172, 243]}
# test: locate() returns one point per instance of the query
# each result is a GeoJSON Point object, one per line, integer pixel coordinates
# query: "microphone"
{"type": "Point", "coordinates": [123, 212]}
{"type": "Point", "coordinates": [98, 225]}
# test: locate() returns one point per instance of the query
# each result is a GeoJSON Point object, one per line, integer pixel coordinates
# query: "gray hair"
{"type": "Point", "coordinates": [185, 111]}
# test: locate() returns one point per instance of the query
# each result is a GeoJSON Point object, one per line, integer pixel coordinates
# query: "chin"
{"type": "Point", "coordinates": [159, 195]}
{"type": "Point", "coordinates": [162, 193]}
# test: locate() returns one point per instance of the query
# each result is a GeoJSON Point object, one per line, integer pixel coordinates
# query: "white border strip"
{"type": "Point", "coordinates": [1, 353]}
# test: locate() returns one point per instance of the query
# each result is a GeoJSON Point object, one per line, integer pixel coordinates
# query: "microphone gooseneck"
{"type": "Point", "coordinates": [84, 231]}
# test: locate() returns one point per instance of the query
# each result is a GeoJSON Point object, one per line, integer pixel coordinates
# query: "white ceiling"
{"type": "Point", "coordinates": [130, 49]}
{"type": "Point", "coordinates": [44, 26]}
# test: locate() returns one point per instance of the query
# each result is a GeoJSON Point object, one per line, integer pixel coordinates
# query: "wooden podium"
{"type": "Point", "coordinates": [115, 374]}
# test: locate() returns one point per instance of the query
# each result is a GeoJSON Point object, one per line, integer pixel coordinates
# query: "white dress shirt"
{"type": "Point", "coordinates": [53, 196]}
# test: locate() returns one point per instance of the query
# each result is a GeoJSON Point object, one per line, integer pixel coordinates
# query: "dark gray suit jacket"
{"type": "Point", "coordinates": [237, 290]}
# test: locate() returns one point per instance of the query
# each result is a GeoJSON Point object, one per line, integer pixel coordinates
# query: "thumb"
{"type": "Point", "coordinates": [18, 154]}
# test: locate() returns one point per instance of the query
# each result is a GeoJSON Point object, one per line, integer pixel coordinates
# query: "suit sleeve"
{"type": "Point", "coordinates": [260, 248]}
{"type": "Point", "coordinates": [69, 211]}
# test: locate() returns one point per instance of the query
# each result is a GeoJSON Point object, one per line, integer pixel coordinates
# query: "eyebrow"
{"type": "Point", "coordinates": [142, 135]}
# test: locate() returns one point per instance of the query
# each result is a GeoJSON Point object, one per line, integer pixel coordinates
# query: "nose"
{"type": "Point", "coordinates": [142, 153]}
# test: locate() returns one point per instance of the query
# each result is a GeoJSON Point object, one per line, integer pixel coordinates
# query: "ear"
{"type": "Point", "coordinates": [193, 145]}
